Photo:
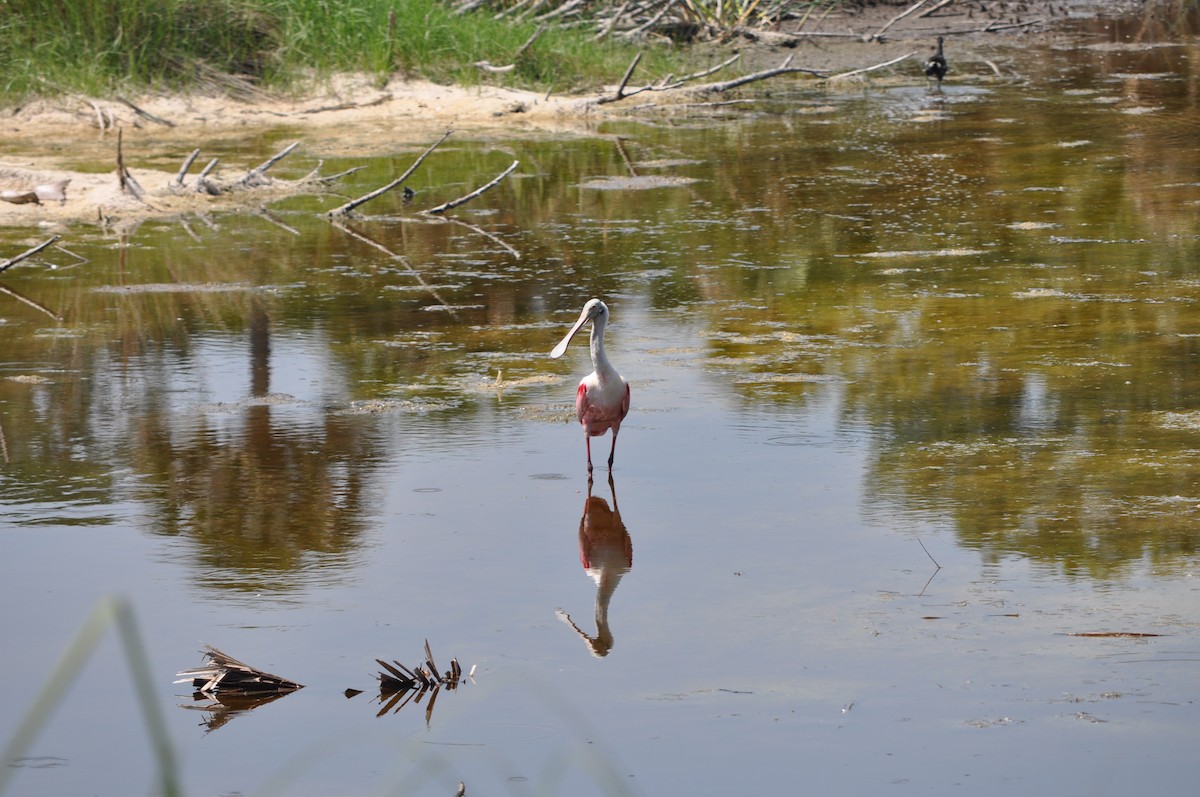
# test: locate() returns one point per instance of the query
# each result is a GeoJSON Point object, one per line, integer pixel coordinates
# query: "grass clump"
{"type": "Point", "coordinates": [98, 47]}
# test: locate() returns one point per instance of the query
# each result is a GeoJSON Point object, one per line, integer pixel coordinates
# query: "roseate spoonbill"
{"type": "Point", "coordinates": [602, 400]}
{"type": "Point", "coordinates": [936, 65]}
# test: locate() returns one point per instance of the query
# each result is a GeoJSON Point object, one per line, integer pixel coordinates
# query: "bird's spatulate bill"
{"type": "Point", "coordinates": [562, 345]}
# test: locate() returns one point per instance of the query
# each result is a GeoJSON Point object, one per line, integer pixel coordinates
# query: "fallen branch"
{"type": "Point", "coordinates": [128, 184]}
{"type": "Point", "coordinates": [938, 7]}
{"type": "Point", "coordinates": [352, 204]}
{"type": "Point", "coordinates": [873, 68]}
{"type": "Point", "coordinates": [256, 176]}
{"type": "Point", "coordinates": [783, 69]}
{"type": "Point", "coordinates": [203, 186]}
{"type": "Point", "coordinates": [35, 306]}
{"type": "Point", "coordinates": [144, 114]}
{"type": "Point", "coordinates": [620, 92]}
{"type": "Point", "coordinates": [12, 261]}
{"type": "Point", "coordinates": [183, 170]}
{"type": "Point", "coordinates": [878, 35]}
{"type": "Point", "coordinates": [442, 208]}
{"type": "Point", "coordinates": [347, 106]}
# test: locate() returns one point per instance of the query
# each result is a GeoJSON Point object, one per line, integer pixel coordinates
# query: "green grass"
{"type": "Point", "coordinates": [99, 47]}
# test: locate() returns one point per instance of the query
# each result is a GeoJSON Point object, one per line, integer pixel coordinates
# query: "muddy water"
{"type": "Point", "coordinates": [908, 499]}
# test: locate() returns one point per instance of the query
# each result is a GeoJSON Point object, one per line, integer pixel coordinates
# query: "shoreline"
{"type": "Point", "coordinates": [74, 137]}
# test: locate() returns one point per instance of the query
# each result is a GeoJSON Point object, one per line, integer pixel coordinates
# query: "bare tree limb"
{"type": "Point", "coordinates": [342, 210]}
{"type": "Point", "coordinates": [183, 170]}
{"type": "Point", "coordinates": [620, 92]}
{"type": "Point", "coordinates": [442, 208]}
{"type": "Point", "coordinates": [878, 35]}
{"type": "Point", "coordinates": [256, 176]}
{"type": "Point", "coordinates": [126, 180]}
{"type": "Point", "coordinates": [937, 7]}
{"type": "Point", "coordinates": [144, 114]}
{"type": "Point", "coordinates": [783, 69]}
{"type": "Point", "coordinates": [12, 261]}
{"type": "Point", "coordinates": [873, 68]}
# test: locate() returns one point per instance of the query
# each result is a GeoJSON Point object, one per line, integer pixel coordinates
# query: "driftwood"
{"type": "Point", "coordinates": [872, 68]}
{"type": "Point", "coordinates": [257, 176]}
{"type": "Point", "coordinates": [5, 265]}
{"type": "Point", "coordinates": [487, 67]}
{"type": "Point", "coordinates": [345, 209]}
{"type": "Point", "coordinates": [183, 170]}
{"type": "Point", "coordinates": [128, 184]}
{"type": "Point", "coordinates": [347, 106]}
{"type": "Point", "coordinates": [783, 69]}
{"type": "Point", "coordinates": [143, 113]}
{"type": "Point", "coordinates": [442, 208]}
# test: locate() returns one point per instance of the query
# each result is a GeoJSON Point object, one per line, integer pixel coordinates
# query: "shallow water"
{"type": "Point", "coordinates": [914, 387]}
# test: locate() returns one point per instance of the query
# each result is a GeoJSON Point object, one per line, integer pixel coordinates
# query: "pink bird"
{"type": "Point", "coordinates": [602, 400]}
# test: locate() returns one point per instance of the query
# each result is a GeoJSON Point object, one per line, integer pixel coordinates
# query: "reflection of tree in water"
{"type": "Point", "coordinates": [606, 553]}
{"type": "Point", "coordinates": [263, 502]}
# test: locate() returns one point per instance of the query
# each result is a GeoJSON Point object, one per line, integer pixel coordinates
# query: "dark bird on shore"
{"type": "Point", "coordinates": [936, 65]}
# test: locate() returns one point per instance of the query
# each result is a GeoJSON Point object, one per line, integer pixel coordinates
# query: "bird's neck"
{"type": "Point", "coordinates": [600, 361]}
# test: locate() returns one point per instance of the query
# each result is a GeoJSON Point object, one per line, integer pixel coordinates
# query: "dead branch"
{"type": "Point", "coordinates": [203, 186]}
{"type": "Point", "coordinates": [878, 35]}
{"type": "Point", "coordinates": [711, 70]}
{"type": "Point", "coordinates": [12, 261]}
{"type": "Point", "coordinates": [666, 6]}
{"type": "Point", "coordinates": [783, 69]}
{"type": "Point", "coordinates": [256, 176]}
{"type": "Point", "coordinates": [343, 210]}
{"type": "Point", "coordinates": [996, 25]}
{"type": "Point", "coordinates": [143, 113]}
{"type": "Point", "coordinates": [873, 68]}
{"type": "Point", "coordinates": [935, 8]}
{"type": "Point", "coordinates": [612, 22]}
{"type": "Point", "coordinates": [442, 208]}
{"type": "Point", "coordinates": [620, 92]}
{"type": "Point", "coordinates": [126, 180]}
{"type": "Point", "coordinates": [346, 106]}
{"type": "Point", "coordinates": [183, 170]}
{"type": "Point", "coordinates": [337, 176]}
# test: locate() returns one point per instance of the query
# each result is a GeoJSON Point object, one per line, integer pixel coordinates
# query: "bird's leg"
{"type": "Point", "coordinates": [612, 452]}
{"type": "Point", "coordinates": [588, 442]}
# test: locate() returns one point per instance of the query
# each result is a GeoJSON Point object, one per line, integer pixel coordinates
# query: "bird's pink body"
{"type": "Point", "coordinates": [602, 400]}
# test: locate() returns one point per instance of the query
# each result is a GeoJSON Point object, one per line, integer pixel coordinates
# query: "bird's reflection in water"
{"type": "Point", "coordinates": [606, 552]}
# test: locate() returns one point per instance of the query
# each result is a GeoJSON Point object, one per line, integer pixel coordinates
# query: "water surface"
{"type": "Point", "coordinates": [908, 500]}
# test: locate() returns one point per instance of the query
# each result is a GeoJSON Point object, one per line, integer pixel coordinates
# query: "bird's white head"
{"type": "Point", "coordinates": [595, 311]}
